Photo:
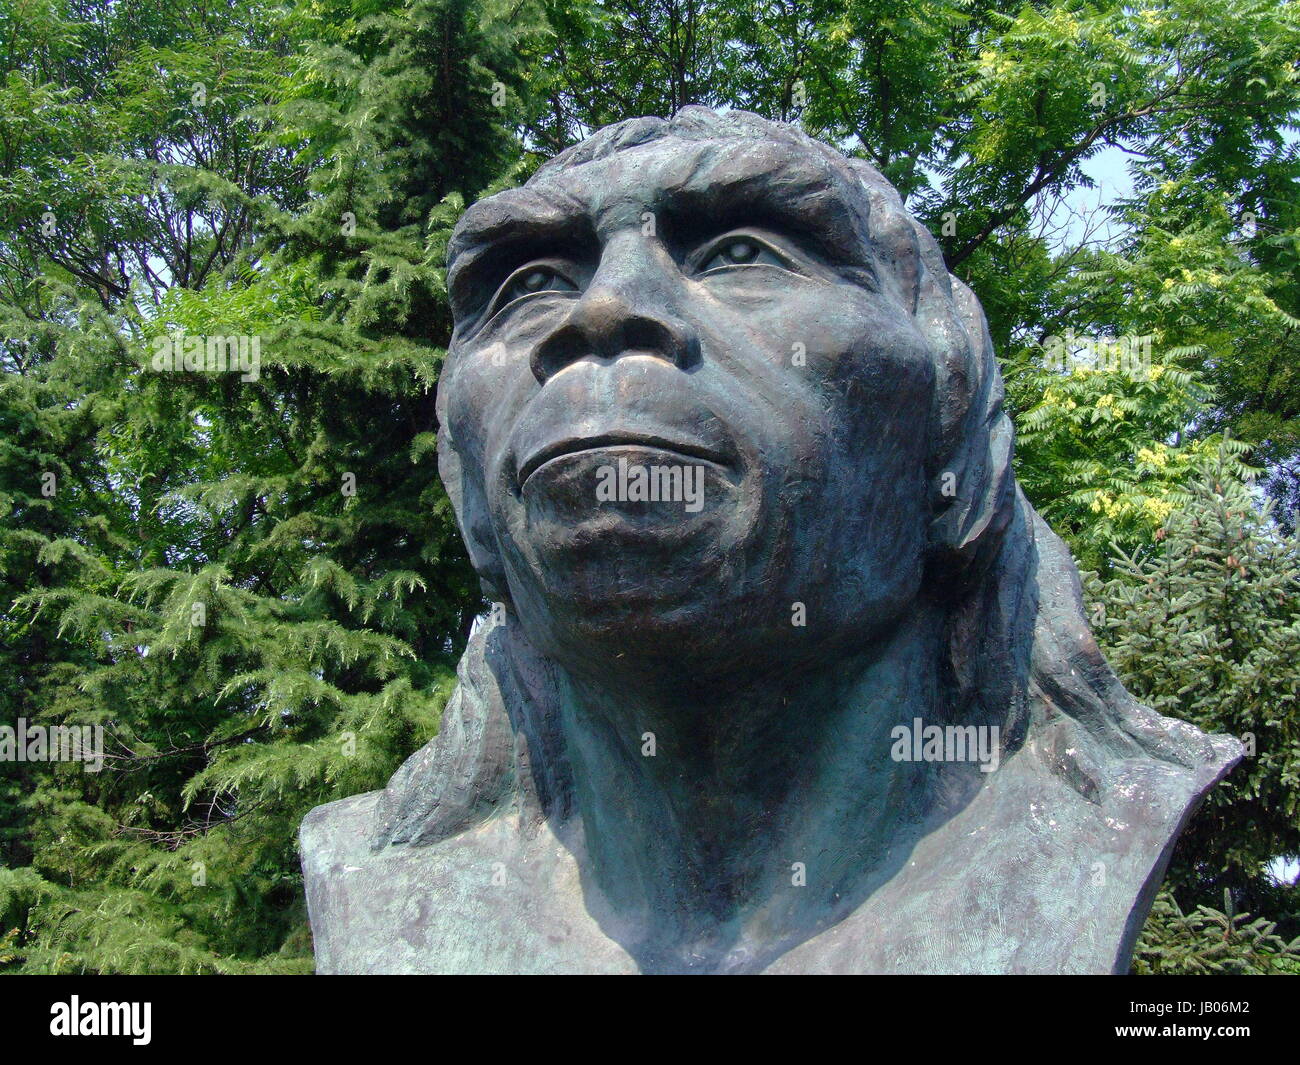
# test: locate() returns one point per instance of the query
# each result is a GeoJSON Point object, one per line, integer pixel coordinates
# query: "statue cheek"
{"type": "Point", "coordinates": [485, 391]}
{"type": "Point", "coordinates": [838, 334]}
{"type": "Point", "coordinates": [891, 370]}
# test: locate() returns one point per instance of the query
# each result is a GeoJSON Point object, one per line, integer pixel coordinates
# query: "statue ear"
{"type": "Point", "coordinates": [470, 506]}
{"type": "Point", "coordinates": [972, 483]}
{"type": "Point", "coordinates": [969, 466]}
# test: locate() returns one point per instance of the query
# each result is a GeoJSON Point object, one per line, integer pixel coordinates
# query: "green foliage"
{"type": "Point", "coordinates": [1209, 942]}
{"type": "Point", "coordinates": [251, 581]}
{"type": "Point", "coordinates": [1205, 626]}
{"type": "Point", "coordinates": [1091, 452]}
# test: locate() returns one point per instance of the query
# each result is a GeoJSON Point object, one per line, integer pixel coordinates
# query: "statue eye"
{"type": "Point", "coordinates": [739, 251]}
{"type": "Point", "coordinates": [532, 279]}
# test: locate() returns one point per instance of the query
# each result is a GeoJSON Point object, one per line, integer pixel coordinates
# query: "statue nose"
{"type": "Point", "coordinates": [606, 323]}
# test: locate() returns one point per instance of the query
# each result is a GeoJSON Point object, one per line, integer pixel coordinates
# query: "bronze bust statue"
{"type": "Point", "coordinates": [785, 674]}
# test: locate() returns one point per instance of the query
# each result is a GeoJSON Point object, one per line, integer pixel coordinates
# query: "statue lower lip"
{"type": "Point", "coordinates": [686, 452]}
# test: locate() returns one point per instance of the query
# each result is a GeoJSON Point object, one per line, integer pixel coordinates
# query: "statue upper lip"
{"type": "Point", "coordinates": [574, 444]}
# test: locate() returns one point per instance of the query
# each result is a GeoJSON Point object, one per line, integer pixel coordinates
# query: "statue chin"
{"type": "Point", "coordinates": [645, 557]}
{"type": "Point", "coordinates": [651, 622]}
{"type": "Point", "coordinates": [720, 585]}
{"type": "Point", "coordinates": [713, 633]}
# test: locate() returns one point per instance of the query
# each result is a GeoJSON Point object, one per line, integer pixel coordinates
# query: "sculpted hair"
{"type": "Point", "coordinates": [1016, 650]}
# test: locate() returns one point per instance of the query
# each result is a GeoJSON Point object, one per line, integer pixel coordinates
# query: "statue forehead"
{"type": "Point", "coordinates": [715, 181]}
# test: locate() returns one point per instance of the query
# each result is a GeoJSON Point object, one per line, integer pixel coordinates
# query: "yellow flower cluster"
{"type": "Point", "coordinates": [1106, 405]}
{"type": "Point", "coordinates": [1159, 509]}
{"type": "Point", "coordinates": [1104, 504]}
{"type": "Point", "coordinates": [1157, 456]}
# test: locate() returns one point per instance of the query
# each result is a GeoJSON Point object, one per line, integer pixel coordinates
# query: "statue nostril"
{"type": "Point", "coordinates": [587, 334]}
{"type": "Point", "coordinates": [566, 345]}
{"type": "Point", "coordinates": [664, 337]}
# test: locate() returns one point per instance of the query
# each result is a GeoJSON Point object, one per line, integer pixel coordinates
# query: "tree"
{"type": "Point", "coordinates": [264, 609]}
{"type": "Point", "coordinates": [1206, 627]}
{"type": "Point", "coordinates": [1211, 942]}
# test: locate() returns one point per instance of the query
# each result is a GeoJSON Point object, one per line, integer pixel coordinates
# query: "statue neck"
{"type": "Point", "coordinates": [721, 822]}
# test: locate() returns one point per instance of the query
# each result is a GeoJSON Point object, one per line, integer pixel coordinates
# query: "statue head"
{"type": "Point", "coordinates": [724, 297]}
{"type": "Point", "coordinates": [725, 441]}
{"type": "Point", "coordinates": [754, 321]}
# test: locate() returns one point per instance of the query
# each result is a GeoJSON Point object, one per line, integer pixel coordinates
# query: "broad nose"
{"type": "Point", "coordinates": [626, 309]}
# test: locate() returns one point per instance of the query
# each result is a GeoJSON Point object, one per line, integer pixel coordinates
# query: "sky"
{"type": "Point", "coordinates": [1109, 170]}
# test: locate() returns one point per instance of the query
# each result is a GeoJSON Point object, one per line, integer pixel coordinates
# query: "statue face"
{"type": "Point", "coordinates": [710, 307]}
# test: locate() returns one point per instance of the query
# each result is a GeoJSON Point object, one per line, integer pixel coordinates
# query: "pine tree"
{"type": "Point", "coordinates": [271, 615]}
{"type": "Point", "coordinates": [1209, 942]}
{"type": "Point", "coordinates": [1206, 627]}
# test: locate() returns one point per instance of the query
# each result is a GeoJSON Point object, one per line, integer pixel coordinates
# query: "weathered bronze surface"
{"type": "Point", "coordinates": [822, 700]}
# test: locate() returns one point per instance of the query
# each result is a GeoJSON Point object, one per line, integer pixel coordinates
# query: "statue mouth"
{"type": "Point", "coordinates": [685, 452]}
